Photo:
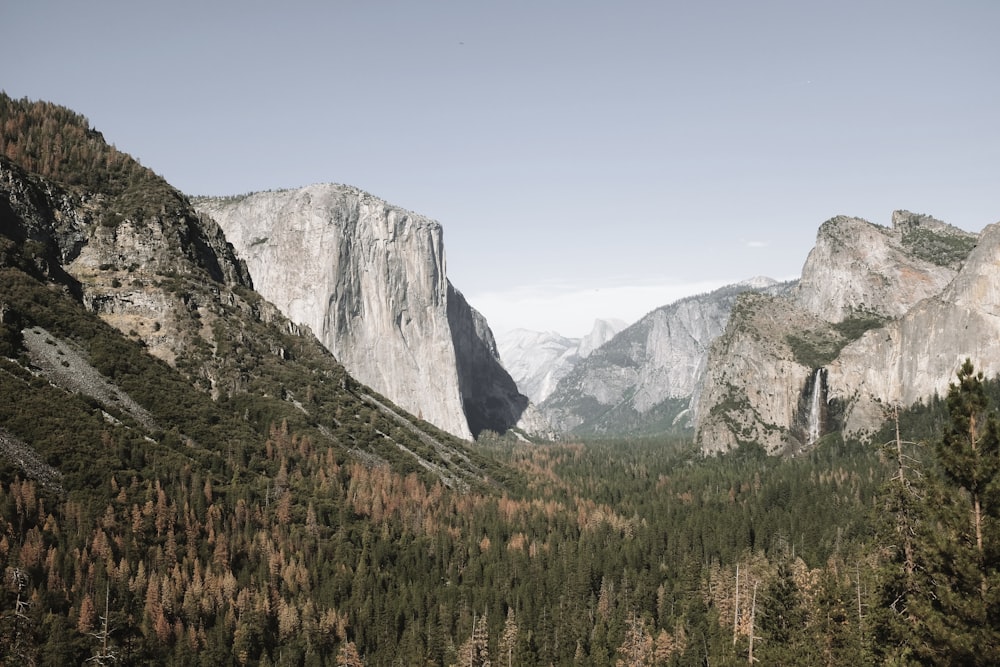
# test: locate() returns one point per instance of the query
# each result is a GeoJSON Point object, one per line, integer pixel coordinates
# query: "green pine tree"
{"type": "Point", "coordinates": [939, 601]}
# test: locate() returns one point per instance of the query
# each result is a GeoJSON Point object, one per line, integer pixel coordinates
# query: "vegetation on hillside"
{"type": "Point", "coordinates": [939, 247]}
{"type": "Point", "coordinates": [59, 144]}
{"type": "Point", "coordinates": [818, 347]}
{"type": "Point", "coordinates": [289, 553]}
{"type": "Point", "coordinates": [275, 512]}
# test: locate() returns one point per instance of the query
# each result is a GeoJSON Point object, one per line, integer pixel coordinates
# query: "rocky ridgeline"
{"type": "Point", "coordinates": [643, 379]}
{"type": "Point", "coordinates": [370, 280]}
{"type": "Point", "coordinates": [881, 316]}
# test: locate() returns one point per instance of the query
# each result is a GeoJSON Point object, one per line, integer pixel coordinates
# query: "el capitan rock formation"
{"type": "Point", "coordinates": [369, 279]}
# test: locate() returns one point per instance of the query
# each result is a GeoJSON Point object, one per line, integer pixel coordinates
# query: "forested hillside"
{"type": "Point", "coordinates": [243, 501]}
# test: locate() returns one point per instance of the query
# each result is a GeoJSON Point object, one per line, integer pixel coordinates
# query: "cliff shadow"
{"type": "Point", "coordinates": [490, 398]}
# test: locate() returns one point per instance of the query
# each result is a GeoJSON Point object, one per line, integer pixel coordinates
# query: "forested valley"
{"type": "Point", "coordinates": [251, 504]}
{"type": "Point", "coordinates": [635, 553]}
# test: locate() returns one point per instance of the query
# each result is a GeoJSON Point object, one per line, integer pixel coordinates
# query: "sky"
{"type": "Point", "coordinates": [586, 159]}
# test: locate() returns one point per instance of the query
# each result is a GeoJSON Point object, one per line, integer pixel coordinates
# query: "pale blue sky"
{"type": "Point", "coordinates": [586, 159]}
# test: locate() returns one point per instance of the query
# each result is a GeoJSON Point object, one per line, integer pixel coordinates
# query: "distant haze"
{"type": "Point", "coordinates": [571, 311]}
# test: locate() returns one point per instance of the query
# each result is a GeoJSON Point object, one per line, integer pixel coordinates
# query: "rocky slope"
{"type": "Point", "coordinates": [114, 288]}
{"type": "Point", "coordinates": [917, 355]}
{"type": "Point", "coordinates": [136, 268]}
{"type": "Point", "coordinates": [369, 279]}
{"type": "Point", "coordinates": [787, 370]}
{"type": "Point", "coordinates": [641, 381]}
{"type": "Point", "coordinates": [860, 267]}
{"type": "Point", "coordinates": [538, 360]}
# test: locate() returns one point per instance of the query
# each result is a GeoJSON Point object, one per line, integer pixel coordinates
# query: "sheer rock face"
{"type": "Point", "coordinates": [916, 356]}
{"type": "Point", "coordinates": [753, 384]}
{"type": "Point", "coordinates": [910, 278]}
{"type": "Point", "coordinates": [369, 279]}
{"type": "Point", "coordinates": [490, 396]}
{"type": "Point", "coordinates": [643, 378]}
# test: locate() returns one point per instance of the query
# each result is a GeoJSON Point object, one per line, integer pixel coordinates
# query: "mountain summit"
{"type": "Point", "coordinates": [538, 360]}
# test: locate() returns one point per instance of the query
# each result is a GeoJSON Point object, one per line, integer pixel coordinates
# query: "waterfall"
{"type": "Point", "coordinates": [815, 409]}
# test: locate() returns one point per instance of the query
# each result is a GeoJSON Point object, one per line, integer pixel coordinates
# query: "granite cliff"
{"type": "Point", "coordinates": [113, 288]}
{"type": "Point", "coordinates": [832, 353]}
{"type": "Point", "coordinates": [369, 280]}
{"type": "Point", "coordinates": [916, 356]}
{"type": "Point", "coordinates": [642, 380]}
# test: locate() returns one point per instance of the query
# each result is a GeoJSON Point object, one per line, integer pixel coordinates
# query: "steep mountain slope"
{"type": "Point", "coordinates": [369, 279]}
{"type": "Point", "coordinates": [491, 399]}
{"type": "Point", "coordinates": [643, 379]}
{"type": "Point", "coordinates": [916, 356]}
{"type": "Point", "coordinates": [538, 360]}
{"type": "Point", "coordinates": [114, 240]}
{"type": "Point", "coordinates": [778, 374]}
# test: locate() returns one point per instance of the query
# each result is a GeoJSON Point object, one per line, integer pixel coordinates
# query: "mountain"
{"type": "Point", "coordinates": [643, 379]}
{"type": "Point", "coordinates": [844, 345]}
{"type": "Point", "coordinates": [538, 360]}
{"type": "Point", "coordinates": [916, 355]}
{"type": "Point", "coordinates": [113, 267]}
{"type": "Point", "coordinates": [189, 477]}
{"type": "Point", "coordinates": [186, 476]}
{"type": "Point", "coordinates": [369, 279]}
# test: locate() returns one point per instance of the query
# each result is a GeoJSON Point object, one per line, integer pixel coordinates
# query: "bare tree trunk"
{"type": "Point", "coordinates": [977, 510]}
{"type": "Point", "coordinates": [753, 615]}
{"type": "Point", "coordinates": [861, 627]}
{"type": "Point", "coordinates": [107, 614]}
{"type": "Point", "coordinates": [736, 606]}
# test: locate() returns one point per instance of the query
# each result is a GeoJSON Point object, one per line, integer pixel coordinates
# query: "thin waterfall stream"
{"type": "Point", "coordinates": [815, 409]}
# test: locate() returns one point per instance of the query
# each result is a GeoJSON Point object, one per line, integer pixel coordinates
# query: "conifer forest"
{"type": "Point", "coordinates": [259, 507]}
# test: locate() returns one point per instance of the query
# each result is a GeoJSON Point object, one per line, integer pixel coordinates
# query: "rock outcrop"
{"type": "Point", "coordinates": [369, 279]}
{"type": "Point", "coordinates": [642, 380]}
{"type": "Point", "coordinates": [917, 355]}
{"type": "Point", "coordinates": [859, 267]}
{"type": "Point", "coordinates": [131, 269]}
{"type": "Point", "coordinates": [858, 332]}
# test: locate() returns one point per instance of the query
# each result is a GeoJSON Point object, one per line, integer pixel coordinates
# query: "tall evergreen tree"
{"type": "Point", "coordinates": [940, 594]}
{"type": "Point", "coordinates": [969, 452]}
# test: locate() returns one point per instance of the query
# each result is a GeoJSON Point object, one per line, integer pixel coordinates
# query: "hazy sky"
{"type": "Point", "coordinates": [586, 159]}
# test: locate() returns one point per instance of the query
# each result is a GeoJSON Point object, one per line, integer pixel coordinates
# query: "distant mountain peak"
{"type": "Point", "coordinates": [641, 380]}
{"type": "Point", "coordinates": [537, 360]}
{"type": "Point", "coordinates": [757, 282]}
